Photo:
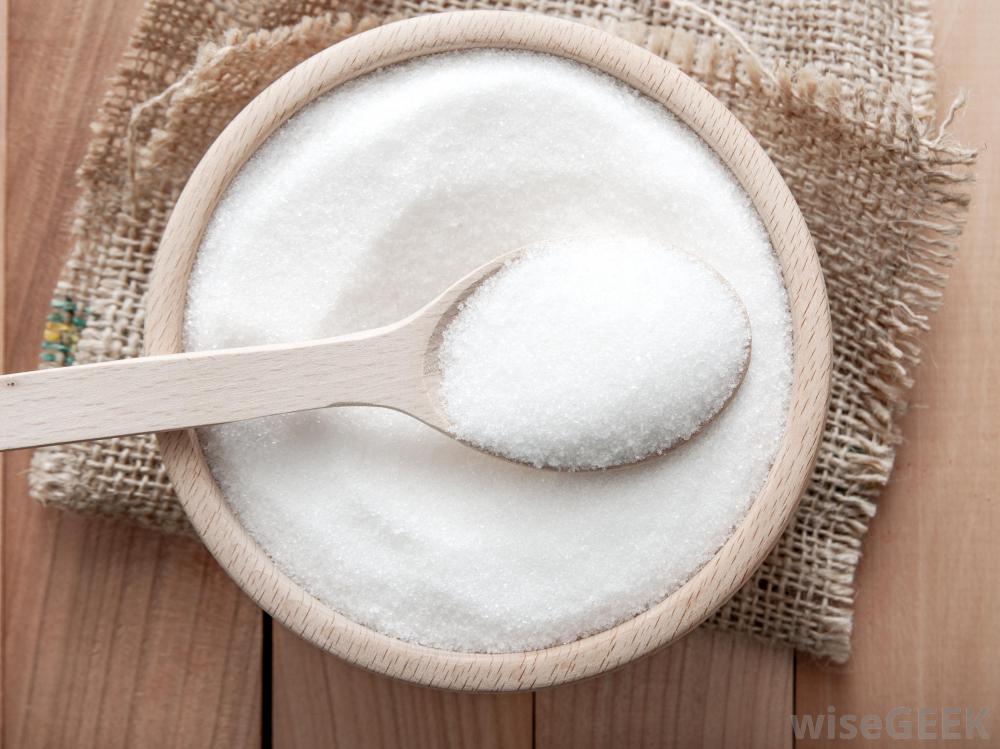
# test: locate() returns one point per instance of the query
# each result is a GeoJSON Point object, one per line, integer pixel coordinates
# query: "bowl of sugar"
{"type": "Point", "coordinates": [367, 179]}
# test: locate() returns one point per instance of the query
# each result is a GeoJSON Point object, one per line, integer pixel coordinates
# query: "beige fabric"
{"type": "Point", "coordinates": [839, 92]}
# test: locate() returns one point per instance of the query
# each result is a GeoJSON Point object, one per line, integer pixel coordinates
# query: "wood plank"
{"type": "Point", "coordinates": [712, 689]}
{"type": "Point", "coordinates": [3, 225]}
{"type": "Point", "coordinates": [320, 700]}
{"type": "Point", "coordinates": [111, 636]}
{"type": "Point", "coordinates": [120, 637]}
{"type": "Point", "coordinates": [928, 608]}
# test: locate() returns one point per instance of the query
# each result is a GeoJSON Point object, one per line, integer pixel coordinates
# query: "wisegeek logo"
{"type": "Point", "coordinates": [924, 723]}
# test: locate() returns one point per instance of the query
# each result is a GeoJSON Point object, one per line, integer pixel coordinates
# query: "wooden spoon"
{"type": "Point", "coordinates": [395, 366]}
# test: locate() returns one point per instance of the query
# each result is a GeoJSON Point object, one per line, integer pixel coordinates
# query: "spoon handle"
{"type": "Point", "coordinates": [158, 393]}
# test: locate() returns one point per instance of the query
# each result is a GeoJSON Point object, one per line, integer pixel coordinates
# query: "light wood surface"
{"type": "Point", "coordinates": [673, 617]}
{"type": "Point", "coordinates": [936, 646]}
{"type": "Point", "coordinates": [708, 690]}
{"type": "Point", "coordinates": [3, 305]}
{"type": "Point", "coordinates": [322, 701]}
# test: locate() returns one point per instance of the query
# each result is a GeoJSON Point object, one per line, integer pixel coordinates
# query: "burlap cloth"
{"type": "Point", "coordinates": [838, 92]}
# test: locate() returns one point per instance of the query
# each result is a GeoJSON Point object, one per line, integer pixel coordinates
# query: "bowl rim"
{"type": "Point", "coordinates": [752, 539]}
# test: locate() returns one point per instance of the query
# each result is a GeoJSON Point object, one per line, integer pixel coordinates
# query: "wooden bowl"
{"type": "Point", "coordinates": [711, 585]}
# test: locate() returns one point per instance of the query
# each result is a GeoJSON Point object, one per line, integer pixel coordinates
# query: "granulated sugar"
{"type": "Point", "coordinates": [361, 209]}
{"type": "Point", "coordinates": [591, 353]}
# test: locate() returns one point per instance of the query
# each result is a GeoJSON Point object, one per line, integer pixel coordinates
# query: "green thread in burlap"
{"type": "Point", "coordinates": [839, 93]}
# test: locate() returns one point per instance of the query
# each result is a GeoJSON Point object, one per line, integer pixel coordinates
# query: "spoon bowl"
{"type": "Point", "coordinates": [517, 392]}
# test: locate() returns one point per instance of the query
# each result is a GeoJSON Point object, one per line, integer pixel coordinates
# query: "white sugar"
{"type": "Point", "coordinates": [365, 206]}
{"type": "Point", "coordinates": [591, 353]}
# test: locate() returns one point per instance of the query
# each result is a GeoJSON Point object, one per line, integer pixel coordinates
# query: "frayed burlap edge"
{"type": "Point", "coordinates": [803, 594]}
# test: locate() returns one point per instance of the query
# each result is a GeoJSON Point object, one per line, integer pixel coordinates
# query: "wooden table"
{"type": "Point", "coordinates": [114, 636]}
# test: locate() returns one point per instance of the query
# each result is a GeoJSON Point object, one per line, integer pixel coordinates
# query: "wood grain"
{"type": "Point", "coordinates": [712, 689]}
{"type": "Point", "coordinates": [733, 563]}
{"type": "Point", "coordinates": [928, 608]}
{"type": "Point", "coordinates": [111, 636]}
{"type": "Point", "coordinates": [319, 700]}
{"type": "Point", "coordinates": [3, 284]}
